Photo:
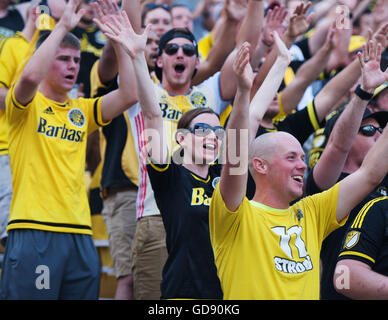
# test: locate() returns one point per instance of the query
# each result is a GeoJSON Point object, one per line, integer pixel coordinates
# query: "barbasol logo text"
{"type": "Point", "coordinates": [60, 132]}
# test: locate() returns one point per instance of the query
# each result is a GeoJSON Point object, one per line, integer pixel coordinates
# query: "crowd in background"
{"type": "Point", "coordinates": [311, 103]}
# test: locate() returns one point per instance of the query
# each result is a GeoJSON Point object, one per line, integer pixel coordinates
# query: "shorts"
{"type": "Point", "coordinates": [119, 213]}
{"type": "Point", "coordinates": [149, 254]}
{"type": "Point", "coordinates": [5, 194]}
{"type": "Point", "coordinates": [44, 265]}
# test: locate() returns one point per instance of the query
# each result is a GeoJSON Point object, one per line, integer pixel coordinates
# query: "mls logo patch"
{"type": "Point", "coordinates": [198, 99]}
{"type": "Point", "coordinates": [351, 239]}
{"type": "Point", "coordinates": [76, 117]}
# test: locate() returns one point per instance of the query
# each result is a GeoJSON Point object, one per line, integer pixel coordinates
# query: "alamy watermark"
{"type": "Point", "coordinates": [42, 281]}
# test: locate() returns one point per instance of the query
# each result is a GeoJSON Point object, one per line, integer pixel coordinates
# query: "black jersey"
{"type": "Point", "coordinates": [11, 23]}
{"type": "Point", "coordinates": [367, 237]}
{"type": "Point", "coordinates": [92, 43]}
{"type": "Point", "coordinates": [183, 199]}
{"type": "Point", "coordinates": [331, 246]}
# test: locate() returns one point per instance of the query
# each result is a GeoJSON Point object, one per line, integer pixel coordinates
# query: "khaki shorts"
{"type": "Point", "coordinates": [5, 194]}
{"type": "Point", "coordinates": [119, 215]}
{"type": "Point", "coordinates": [149, 254]}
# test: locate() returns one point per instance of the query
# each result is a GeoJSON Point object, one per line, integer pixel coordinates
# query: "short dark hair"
{"type": "Point", "coordinates": [188, 116]}
{"type": "Point", "coordinates": [152, 6]}
{"type": "Point", "coordinates": [69, 40]}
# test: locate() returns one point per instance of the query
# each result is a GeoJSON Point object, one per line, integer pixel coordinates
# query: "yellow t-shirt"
{"type": "Point", "coordinates": [12, 52]}
{"type": "Point", "coordinates": [47, 147]}
{"type": "Point", "coordinates": [267, 253]}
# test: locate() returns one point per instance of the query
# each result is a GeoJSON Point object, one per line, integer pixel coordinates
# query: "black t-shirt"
{"type": "Point", "coordinates": [367, 238]}
{"type": "Point", "coordinates": [183, 199]}
{"type": "Point", "coordinates": [92, 44]}
{"type": "Point", "coordinates": [11, 23]}
{"type": "Point", "coordinates": [331, 246]}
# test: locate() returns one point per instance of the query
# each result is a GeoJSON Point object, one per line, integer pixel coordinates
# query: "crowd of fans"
{"type": "Point", "coordinates": [116, 122]}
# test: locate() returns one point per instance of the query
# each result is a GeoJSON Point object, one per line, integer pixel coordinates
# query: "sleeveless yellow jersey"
{"type": "Point", "coordinates": [47, 147]}
{"type": "Point", "coordinates": [267, 253]}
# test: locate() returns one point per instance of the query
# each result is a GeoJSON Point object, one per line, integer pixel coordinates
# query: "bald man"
{"type": "Point", "coordinates": [266, 248]}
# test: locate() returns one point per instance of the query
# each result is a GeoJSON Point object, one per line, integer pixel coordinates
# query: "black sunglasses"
{"type": "Point", "coordinates": [172, 48]}
{"type": "Point", "coordinates": [152, 6]}
{"type": "Point", "coordinates": [370, 130]}
{"type": "Point", "coordinates": [203, 130]}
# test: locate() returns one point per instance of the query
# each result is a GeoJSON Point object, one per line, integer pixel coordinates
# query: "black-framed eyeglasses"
{"type": "Point", "coordinates": [203, 130]}
{"type": "Point", "coordinates": [370, 130]}
{"type": "Point", "coordinates": [172, 48]}
{"type": "Point", "coordinates": [152, 6]}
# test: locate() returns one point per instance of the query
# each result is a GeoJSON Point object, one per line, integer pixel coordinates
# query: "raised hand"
{"type": "Point", "coordinates": [282, 49]}
{"type": "Point", "coordinates": [71, 16]}
{"type": "Point", "coordinates": [381, 35]}
{"type": "Point", "coordinates": [118, 28]}
{"type": "Point", "coordinates": [273, 22]}
{"type": "Point", "coordinates": [371, 76]}
{"type": "Point", "coordinates": [235, 9]}
{"type": "Point", "coordinates": [105, 11]}
{"type": "Point", "coordinates": [299, 21]}
{"type": "Point", "coordinates": [242, 67]}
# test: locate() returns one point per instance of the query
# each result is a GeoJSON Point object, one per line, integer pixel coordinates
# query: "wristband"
{"type": "Point", "coordinates": [362, 94]}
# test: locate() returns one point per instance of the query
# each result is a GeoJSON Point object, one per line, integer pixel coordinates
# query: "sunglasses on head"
{"type": "Point", "coordinates": [203, 130]}
{"type": "Point", "coordinates": [172, 48]}
{"type": "Point", "coordinates": [370, 130]}
{"type": "Point", "coordinates": [152, 6]}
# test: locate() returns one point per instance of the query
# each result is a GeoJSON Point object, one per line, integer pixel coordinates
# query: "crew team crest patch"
{"type": "Point", "coordinates": [76, 117]}
{"type": "Point", "coordinates": [198, 99]}
{"type": "Point", "coordinates": [351, 239]}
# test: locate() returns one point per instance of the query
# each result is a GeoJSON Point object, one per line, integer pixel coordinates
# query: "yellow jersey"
{"type": "Point", "coordinates": [12, 52]}
{"type": "Point", "coordinates": [266, 253]}
{"type": "Point", "coordinates": [47, 147]}
{"type": "Point", "coordinates": [14, 55]}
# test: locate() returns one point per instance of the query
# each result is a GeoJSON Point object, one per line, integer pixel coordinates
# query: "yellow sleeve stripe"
{"type": "Point", "coordinates": [312, 115]}
{"type": "Point", "coordinates": [289, 75]}
{"type": "Point", "coordinates": [200, 179]}
{"type": "Point", "coordinates": [159, 169]}
{"type": "Point", "coordinates": [355, 253]}
{"type": "Point", "coordinates": [357, 223]}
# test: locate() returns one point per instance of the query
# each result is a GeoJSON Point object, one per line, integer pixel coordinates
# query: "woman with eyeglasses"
{"type": "Point", "coordinates": [183, 181]}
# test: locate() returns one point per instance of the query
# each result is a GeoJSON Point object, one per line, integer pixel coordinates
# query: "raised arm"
{"type": "Point", "coordinates": [108, 64]}
{"type": "Point", "coordinates": [116, 102]}
{"type": "Point", "coordinates": [332, 161]}
{"type": "Point", "coordinates": [249, 32]}
{"type": "Point", "coordinates": [40, 62]}
{"type": "Point", "coordinates": [355, 187]}
{"type": "Point", "coordinates": [297, 26]}
{"type": "Point", "coordinates": [224, 43]}
{"type": "Point", "coordinates": [235, 171]}
{"type": "Point", "coordinates": [306, 74]}
{"type": "Point", "coordinates": [268, 89]}
{"type": "Point", "coordinates": [121, 32]}
{"type": "Point", "coordinates": [274, 21]}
